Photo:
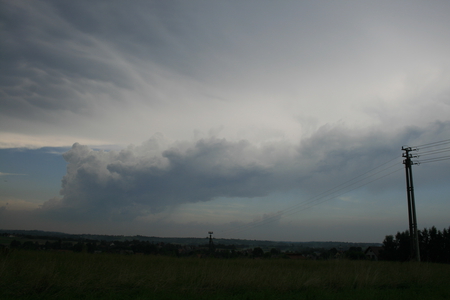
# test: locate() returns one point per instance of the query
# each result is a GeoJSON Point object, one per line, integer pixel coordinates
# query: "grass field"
{"type": "Point", "coordinates": [54, 275]}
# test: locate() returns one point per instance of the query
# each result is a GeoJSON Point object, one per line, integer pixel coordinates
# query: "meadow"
{"type": "Point", "coordinates": [66, 275]}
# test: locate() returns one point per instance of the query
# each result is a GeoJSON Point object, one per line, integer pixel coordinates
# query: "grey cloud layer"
{"type": "Point", "coordinates": [77, 67]}
{"type": "Point", "coordinates": [146, 179]}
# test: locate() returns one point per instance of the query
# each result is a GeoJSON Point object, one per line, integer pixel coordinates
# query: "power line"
{"type": "Point", "coordinates": [331, 193]}
{"type": "Point", "coordinates": [434, 159]}
{"type": "Point", "coordinates": [432, 152]}
{"type": "Point", "coordinates": [313, 203]}
{"type": "Point", "coordinates": [318, 197]}
{"type": "Point", "coordinates": [434, 144]}
{"type": "Point", "coordinates": [334, 192]}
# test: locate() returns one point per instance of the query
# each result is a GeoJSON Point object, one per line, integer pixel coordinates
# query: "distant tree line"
{"type": "Point", "coordinates": [434, 246]}
{"type": "Point", "coordinates": [91, 246]}
{"type": "Point", "coordinates": [138, 246]}
{"type": "Point", "coordinates": [169, 249]}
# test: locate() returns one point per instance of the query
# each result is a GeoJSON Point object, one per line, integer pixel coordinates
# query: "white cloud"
{"type": "Point", "coordinates": [160, 174]}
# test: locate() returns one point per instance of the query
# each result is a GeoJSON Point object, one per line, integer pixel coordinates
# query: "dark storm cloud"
{"type": "Point", "coordinates": [58, 55]}
{"type": "Point", "coordinates": [150, 30]}
{"type": "Point", "coordinates": [149, 178]}
{"type": "Point", "coordinates": [66, 62]}
{"type": "Point", "coordinates": [144, 179]}
{"type": "Point", "coordinates": [64, 55]}
{"type": "Point", "coordinates": [44, 62]}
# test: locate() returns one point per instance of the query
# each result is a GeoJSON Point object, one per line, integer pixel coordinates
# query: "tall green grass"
{"type": "Point", "coordinates": [54, 275]}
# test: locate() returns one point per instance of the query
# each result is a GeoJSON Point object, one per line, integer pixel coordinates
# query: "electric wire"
{"type": "Point", "coordinates": [333, 193]}
{"type": "Point", "coordinates": [328, 194]}
{"type": "Point", "coordinates": [430, 145]}
{"type": "Point", "coordinates": [276, 216]}
{"type": "Point", "coordinates": [447, 149]}
{"type": "Point", "coordinates": [434, 159]}
{"type": "Point", "coordinates": [432, 155]}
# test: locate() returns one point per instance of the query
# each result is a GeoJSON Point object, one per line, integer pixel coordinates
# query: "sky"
{"type": "Point", "coordinates": [273, 120]}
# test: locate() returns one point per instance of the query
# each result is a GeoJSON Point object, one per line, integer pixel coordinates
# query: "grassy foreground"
{"type": "Point", "coordinates": [53, 275]}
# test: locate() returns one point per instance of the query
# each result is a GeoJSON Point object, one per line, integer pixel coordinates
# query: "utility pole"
{"type": "Point", "coordinates": [211, 244]}
{"type": "Point", "coordinates": [413, 233]}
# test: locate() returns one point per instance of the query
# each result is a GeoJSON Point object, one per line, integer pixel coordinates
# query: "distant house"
{"type": "Point", "coordinates": [373, 253]}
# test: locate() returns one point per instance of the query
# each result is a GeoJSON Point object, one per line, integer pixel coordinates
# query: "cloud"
{"type": "Point", "coordinates": [53, 51]}
{"type": "Point", "coordinates": [145, 179]}
{"type": "Point", "coordinates": [160, 174]}
{"type": "Point", "coordinates": [109, 73]}
{"type": "Point", "coordinates": [282, 97]}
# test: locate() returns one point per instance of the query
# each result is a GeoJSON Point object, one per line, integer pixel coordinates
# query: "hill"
{"type": "Point", "coordinates": [192, 241]}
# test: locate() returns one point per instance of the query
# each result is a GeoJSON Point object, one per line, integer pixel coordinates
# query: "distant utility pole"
{"type": "Point", "coordinates": [211, 244]}
{"type": "Point", "coordinates": [413, 234]}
